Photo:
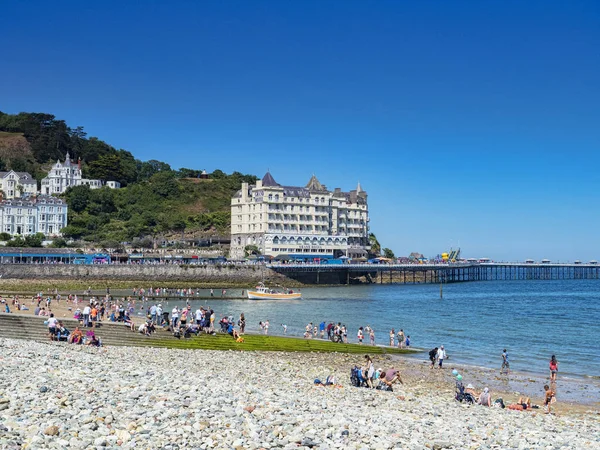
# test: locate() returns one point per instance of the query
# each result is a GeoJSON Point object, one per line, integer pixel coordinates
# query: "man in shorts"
{"type": "Point", "coordinates": [505, 365]}
{"type": "Point", "coordinates": [387, 378]}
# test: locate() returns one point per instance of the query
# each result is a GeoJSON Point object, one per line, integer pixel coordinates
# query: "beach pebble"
{"type": "Point", "coordinates": [180, 399]}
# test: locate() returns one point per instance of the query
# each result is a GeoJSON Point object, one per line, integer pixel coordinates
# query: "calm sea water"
{"type": "Point", "coordinates": [474, 321]}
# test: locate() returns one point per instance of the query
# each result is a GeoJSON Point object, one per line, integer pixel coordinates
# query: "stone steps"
{"type": "Point", "coordinates": [20, 326]}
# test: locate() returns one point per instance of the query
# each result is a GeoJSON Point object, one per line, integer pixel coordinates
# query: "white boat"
{"type": "Point", "coordinates": [264, 293]}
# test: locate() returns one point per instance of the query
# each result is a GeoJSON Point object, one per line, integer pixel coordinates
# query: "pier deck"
{"type": "Point", "coordinates": [435, 273]}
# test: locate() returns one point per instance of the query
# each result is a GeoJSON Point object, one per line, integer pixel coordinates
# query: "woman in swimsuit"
{"type": "Point", "coordinates": [553, 368]}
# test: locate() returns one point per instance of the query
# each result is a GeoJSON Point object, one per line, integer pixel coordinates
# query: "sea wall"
{"type": "Point", "coordinates": [210, 274]}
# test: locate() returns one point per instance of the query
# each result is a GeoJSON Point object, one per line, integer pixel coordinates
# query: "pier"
{"type": "Point", "coordinates": [434, 273]}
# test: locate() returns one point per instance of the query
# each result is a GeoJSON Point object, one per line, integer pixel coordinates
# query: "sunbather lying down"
{"type": "Point", "coordinates": [329, 381]}
{"type": "Point", "coordinates": [523, 404]}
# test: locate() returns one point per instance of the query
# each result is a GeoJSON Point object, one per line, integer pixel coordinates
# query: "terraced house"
{"type": "Point", "coordinates": [31, 215]}
{"type": "Point", "coordinates": [303, 223]}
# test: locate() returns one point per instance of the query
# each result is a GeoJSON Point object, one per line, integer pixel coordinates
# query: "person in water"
{"type": "Point", "coordinates": [553, 369]}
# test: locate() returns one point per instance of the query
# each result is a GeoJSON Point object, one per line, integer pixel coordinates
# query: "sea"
{"type": "Point", "coordinates": [475, 321]}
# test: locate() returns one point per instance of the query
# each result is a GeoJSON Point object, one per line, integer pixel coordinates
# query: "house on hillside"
{"type": "Point", "coordinates": [17, 184]}
{"type": "Point", "coordinates": [26, 216]}
{"type": "Point", "coordinates": [68, 174]}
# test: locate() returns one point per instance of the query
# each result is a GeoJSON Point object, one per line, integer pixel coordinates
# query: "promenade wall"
{"type": "Point", "coordinates": [223, 274]}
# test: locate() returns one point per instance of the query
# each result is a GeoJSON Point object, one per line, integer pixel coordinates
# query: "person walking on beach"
{"type": "Point", "coordinates": [441, 355]}
{"type": "Point", "coordinates": [433, 356]}
{"type": "Point", "coordinates": [242, 323]}
{"type": "Point", "coordinates": [212, 292]}
{"type": "Point", "coordinates": [372, 336]}
{"type": "Point", "coordinates": [505, 365]}
{"type": "Point", "coordinates": [360, 335]}
{"type": "Point", "coordinates": [553, 369]}
{"type": "Point", "coordinates": [392, 336]}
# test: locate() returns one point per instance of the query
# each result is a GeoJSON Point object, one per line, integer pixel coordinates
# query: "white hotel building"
{"type": "Point", "coordinates": [300, 222]}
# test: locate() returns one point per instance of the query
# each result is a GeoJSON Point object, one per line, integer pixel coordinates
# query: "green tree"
{"type": "Point", "coordinates": [218, 175]}
{"type": "Point", "coordinates": [74, 232]}
{"type": "Point", "coordinates": [164, 184]}
{"type": "Point", "coordinates": [78, 198]}
{"type": "Point", "coordinates": [388, 253]}
{"type": "Point", "coordinates": [375, 246]}
{"type": "Point", "coordinates": [59, 243]}
{"type": "Point", "coordinates": [149, 168]}
{"type": "Point", "coordinates": [251, 250]}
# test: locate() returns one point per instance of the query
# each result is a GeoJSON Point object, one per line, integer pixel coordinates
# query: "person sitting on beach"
{"type": "Point", "coordinates": [127, 320]}
{"type": "Point", "coordinates": [62, 332]}
{"type": "Point", "coordinates": [485, 398]}
{"type": "Point", "coordinates": [523, 404]}
{"type": "Point", "coordinates": [143, 329]}
{"type": "Point", "coordinates": [150, 327]}
{"type": "Point", "coordinates": [76, 336]}
{"type": "Point", "coordinates": [92, 339]}
{"type": "Point", "coordinates": [232, 331]}
{"type": "Point", "coordinates": [387, 378]}
{"type": "Point", "coordinates": [470, 389]}
{"type": "Point", "coordinates": [549, 398]}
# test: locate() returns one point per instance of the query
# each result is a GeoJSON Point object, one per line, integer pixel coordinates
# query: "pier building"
{"type": "Point", "coordinates": [303, 223]}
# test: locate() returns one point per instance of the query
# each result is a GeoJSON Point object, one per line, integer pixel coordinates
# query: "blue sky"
{"type": "Point", "coordinates": [467, 122]}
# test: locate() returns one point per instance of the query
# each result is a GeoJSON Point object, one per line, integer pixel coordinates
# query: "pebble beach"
{"type": "Point", "coordinates": [57, 396]}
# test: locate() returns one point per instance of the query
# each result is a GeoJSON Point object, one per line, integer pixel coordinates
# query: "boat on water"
{"type": "Point", "coordinates": [262, 292]}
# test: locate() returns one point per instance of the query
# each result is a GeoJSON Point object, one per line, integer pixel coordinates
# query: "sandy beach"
{"type": "Point", "coordinates": [56, 395]}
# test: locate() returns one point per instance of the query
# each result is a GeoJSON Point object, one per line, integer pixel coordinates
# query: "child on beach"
{"type": "Point", "coordinates": [549, 398]}
{"type": "Point", "coordinates": [392, 336]}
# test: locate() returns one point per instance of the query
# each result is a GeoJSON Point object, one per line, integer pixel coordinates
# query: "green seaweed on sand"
{"type": "Point", "coordinates": [269, 343]}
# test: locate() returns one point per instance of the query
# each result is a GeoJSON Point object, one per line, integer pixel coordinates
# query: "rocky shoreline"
{"type": "Point", "coordinates": [60, 396]}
